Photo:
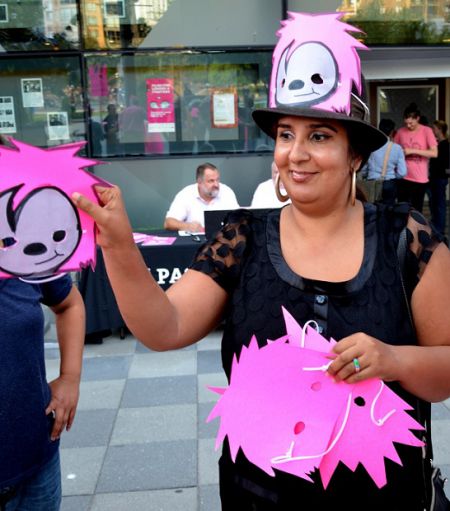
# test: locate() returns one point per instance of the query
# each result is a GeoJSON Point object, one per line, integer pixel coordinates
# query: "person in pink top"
{"type": "Point", "coordinates": [419, 145]}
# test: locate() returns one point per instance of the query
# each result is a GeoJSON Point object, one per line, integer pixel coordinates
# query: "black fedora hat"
{"type": "Point", "coordinates": [316, 73]}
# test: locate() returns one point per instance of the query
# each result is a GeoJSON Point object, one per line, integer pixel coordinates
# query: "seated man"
{"type": "Point", "coordinates": [186, 213]}
{"type": "Point", "coordinates": [265, 195]}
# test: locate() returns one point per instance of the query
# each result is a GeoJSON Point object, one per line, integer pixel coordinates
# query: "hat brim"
{"type": "Point", "coordinates": [266, 119]}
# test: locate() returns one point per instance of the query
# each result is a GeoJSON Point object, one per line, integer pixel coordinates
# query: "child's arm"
{"type": "Point", "coordinates": [70, 328]}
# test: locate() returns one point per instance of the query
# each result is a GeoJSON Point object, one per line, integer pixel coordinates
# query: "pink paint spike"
{"type": "Point", "coordinates": [217, 390]}
{"type": "Point", "coordinates": [41, 182]}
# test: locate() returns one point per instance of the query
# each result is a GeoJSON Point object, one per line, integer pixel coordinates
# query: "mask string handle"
{"type": "Point", "coordinates": [310, 322]}
{"type": "Point", "coordinates": [379, 422]}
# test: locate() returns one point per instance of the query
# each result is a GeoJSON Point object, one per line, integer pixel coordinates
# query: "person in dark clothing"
{"type": "Point", "coordinates": [439, 168]}
{"type": "Point", "coordinates": [111, 129]}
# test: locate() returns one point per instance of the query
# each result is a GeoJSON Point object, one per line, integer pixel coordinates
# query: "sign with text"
{"type": "Point", "coordinates": [160, 105]}
{"type": "Point", "coordinates": [224, 108]}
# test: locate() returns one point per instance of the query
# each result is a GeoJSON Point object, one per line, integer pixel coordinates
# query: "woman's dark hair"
{"type": "Point", "coordinates": [411, 111]}
{"type": "Point", "coordinates": [358, 149]}
{"type": "Point", "coordinates": [387, 126]}
{"type": "Point", "coordinates": [357, 142]}
{"type": "Point", "coordinates": [441, 125]}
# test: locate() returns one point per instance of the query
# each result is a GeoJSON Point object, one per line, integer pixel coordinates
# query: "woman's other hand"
{"type": "Point", "coordinates": [113, 226]}
{"type": "Point", "coordinates": [375, 359]}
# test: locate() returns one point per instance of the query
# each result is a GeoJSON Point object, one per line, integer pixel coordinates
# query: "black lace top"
{"type": "Point", "coordinates": [245, 259]}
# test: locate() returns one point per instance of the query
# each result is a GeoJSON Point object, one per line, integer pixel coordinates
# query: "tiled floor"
{"type": "Point", "coordinates": [140, 441]}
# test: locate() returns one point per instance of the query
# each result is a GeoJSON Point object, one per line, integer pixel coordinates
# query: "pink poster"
{"type": "Point", "coordinates": [98, 80]}
{"type": "Point", "coordinates": [160, 105]}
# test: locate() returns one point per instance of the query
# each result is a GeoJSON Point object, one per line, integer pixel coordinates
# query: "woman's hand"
{"type": "Point", "coordinates": [113, 225]}
{"type": "Point", "coordinates": [63, 404]}
{"type": "Point", "coordinates": [376, 359]}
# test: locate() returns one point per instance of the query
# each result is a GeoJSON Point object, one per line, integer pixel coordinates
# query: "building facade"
{"type": "Point", "coordinates": [156, 87]}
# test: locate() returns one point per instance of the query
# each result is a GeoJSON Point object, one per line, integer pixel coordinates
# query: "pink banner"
{"type": "Point", "coordinates": [98, 80]}
{"type": "Point", "coordinates": [160, 105]}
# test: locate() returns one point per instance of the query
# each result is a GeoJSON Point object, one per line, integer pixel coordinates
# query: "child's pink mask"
{"type": "Point", "coordinates": [43, 233]}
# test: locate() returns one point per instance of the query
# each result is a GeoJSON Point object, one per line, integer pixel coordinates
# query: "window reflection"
{"type": "Point", "coordinates": [41, 100]}
{"type": "Point", "coordinates": [177, 103]}
{"type": "Point", "coordinates": [115, 24]}
{"type": "Point", "coordinates": [400, 21]}
{"type": "Point", "coordinates": [38, 25]}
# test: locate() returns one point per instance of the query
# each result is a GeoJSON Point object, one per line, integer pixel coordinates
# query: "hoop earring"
{"type": "Point", "coordinates": [353, 188]}
{"type": "Point", "coordinates": [280, 196]}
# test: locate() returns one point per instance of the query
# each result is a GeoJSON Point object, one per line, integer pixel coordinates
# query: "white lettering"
{"type": "Point", "coordinates": [176, 274]}
{"type": "Point", "coordinates": [163, 273]}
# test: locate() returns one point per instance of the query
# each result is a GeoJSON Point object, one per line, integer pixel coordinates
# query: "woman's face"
{"type": "Point", "coordinates": [313, 158]}
{"type": "Point", "coordinates": [411, 123]}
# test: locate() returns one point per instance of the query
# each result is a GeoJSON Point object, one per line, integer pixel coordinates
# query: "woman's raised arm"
{"type": "Point", "coordinates": [189, 310]}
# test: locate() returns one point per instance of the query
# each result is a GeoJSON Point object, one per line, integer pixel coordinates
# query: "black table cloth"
{"type": "Point", "coordinates": [166, 262]}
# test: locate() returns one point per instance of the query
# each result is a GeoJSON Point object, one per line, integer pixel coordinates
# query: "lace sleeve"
{"type": "Point", "coordinates": [422, 240]}
{"type": "Point", "coordinates": [222, 257]}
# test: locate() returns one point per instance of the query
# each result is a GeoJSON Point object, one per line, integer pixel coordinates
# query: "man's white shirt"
{"type": "Point", "coordinates": [188, 206]}
{"type": "Point", "coordinates": [265, 196]}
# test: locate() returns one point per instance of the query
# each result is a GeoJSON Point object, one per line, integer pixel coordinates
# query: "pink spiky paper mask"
{"type": "Point", "coordinates": [284, 412]}
{"type": "Point", "coordinates": [315, 63]}
{"type": "Point", "coordinates": [43, 233]}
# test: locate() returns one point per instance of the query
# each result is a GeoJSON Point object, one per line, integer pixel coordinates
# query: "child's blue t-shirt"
{"type": "Point", "coordinates": [25, 443]}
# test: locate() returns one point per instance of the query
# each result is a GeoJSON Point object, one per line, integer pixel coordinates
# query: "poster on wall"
{"type": "Point", "coordinates": [224, 108]}
{"type": "Point", "coordinates": [98, 80]}
{"type": "Point", "coordinates": [7, 116]}
{"type": "Point", "coordinates": [32, 92]}
{"type": "Point", "coordinates": [58, 126]}
{"type": "Point", "coordinates": [160, 105]}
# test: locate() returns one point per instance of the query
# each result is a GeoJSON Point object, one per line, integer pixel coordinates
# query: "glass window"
{"type": "Point", "coordinates": [391, 22]}
{"type": "Point", "coordinates": [177, 103]}
{"type": "Point", "coordinates": [37, 25]}
{"type": "Point", "coordinates": [41, 100]}
{"type": "Point", "coordinates": [402, 22]}
{"type": "Point", "coordinates": [120, 23]}
{"type": "Point", "coordinates": [180, 23]}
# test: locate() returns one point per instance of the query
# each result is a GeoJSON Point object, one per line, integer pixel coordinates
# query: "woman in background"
{"type": "Point", "coordinates": [439, 168]}
{"type": "Point", "coordinates": [419, 145]}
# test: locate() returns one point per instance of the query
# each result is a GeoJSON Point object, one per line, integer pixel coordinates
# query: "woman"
{"type": "Point", "coordinates": [387, 163]}
{"type": "Point", "coordinates": [438, 177]}
{"type": "Point", "coordinates": [33, 413]}
{"type": "Point", "coordinates": [419, 145]}
{"type": "Point", "coordinates": [327, 256]}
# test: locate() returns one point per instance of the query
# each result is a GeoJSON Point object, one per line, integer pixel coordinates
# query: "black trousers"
{"type": "Point", "coordinates": [414, 193]}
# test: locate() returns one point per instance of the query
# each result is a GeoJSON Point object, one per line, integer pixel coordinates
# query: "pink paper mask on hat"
{"type": "Point", "coordinates": [315, 63]}
{"type": "Point", "coordinates": [285, 413]}
{"type": "Point", "coordinates": [43, 233]}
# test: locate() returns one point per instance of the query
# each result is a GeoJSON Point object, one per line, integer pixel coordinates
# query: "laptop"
{"type": "Point", "coordinates": [214, 219]}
